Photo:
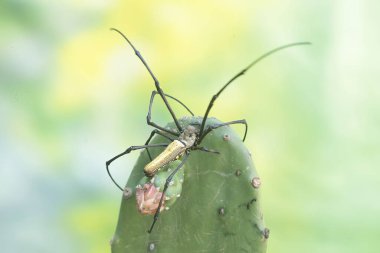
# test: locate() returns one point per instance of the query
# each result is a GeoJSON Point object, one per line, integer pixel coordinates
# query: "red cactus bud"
{"type": "Point", "coordinates": [148, 197]}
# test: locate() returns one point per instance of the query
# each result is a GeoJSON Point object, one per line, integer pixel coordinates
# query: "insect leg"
{"type": "Point", "coordinates": [168, 180]}
{"type": "Point", "coordinates": [156, 83]}
{"type": "Point", "coordinates": [148, 117]}
{"type": "Point", "coordinates": [206, 150]}
{"type": "Point", "coordinates": [155, 131]}
{"type": "Point", "coordinates": [179, 101]}
{"type": "Point", "coordinates": [242, 72]}
{"type": "Point", "coordinates": [127, 151]}
{"type": "Point", "coordinates": [210, 128]}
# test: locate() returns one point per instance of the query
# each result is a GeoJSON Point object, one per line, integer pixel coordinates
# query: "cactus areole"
{"type": "Point", "coordinates": [218, 209]}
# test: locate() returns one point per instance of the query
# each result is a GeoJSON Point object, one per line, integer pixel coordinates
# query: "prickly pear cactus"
{"type": "Point", "coordinates": [218, 209]}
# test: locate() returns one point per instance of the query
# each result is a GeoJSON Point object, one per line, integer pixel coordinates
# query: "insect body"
{"type": "Point", "coordinates": [173, 151]}
{"type": "Point", "coordinates": [178, 150]}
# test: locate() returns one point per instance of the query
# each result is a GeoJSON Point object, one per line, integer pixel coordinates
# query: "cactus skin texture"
{"type": "Point", "coordinates": [218, 210]}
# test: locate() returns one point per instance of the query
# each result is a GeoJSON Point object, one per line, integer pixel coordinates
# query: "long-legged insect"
{"type": "Point", "coordinates": [187, 139]}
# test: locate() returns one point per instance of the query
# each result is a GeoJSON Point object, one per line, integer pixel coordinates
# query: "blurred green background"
{"type": "Point", "coordinates": [73, 94]}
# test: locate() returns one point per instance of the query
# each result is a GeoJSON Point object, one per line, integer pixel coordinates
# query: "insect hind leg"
{"type": "Point", "coordinates": [167, 182]}
{"type": "Point", "coordinates": [127, 151]}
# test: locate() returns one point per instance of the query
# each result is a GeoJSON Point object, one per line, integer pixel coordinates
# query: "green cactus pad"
{"type": "Point", "coordinates": [219, 207]}
{"type": "Point", "coordinates": [175, 187]}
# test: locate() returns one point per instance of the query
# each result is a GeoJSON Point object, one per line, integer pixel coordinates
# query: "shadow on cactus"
{"type": "Point", "coordinates": [197, 172]}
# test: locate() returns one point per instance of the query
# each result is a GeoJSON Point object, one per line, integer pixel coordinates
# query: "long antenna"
{"type": "Point", "coordinates": [156, 83]}
{"type": "Point", "coordinates": [242, 72]}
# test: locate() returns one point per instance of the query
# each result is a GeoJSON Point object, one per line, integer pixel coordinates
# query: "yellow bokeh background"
{"type": "Point", "coordinates": [73, 95]}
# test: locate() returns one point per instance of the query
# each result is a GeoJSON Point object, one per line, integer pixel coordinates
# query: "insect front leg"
{"type": "Point", "coordinates": [210, 128]}
{"type": "Point", "coordinates": [148, 117]}
{"type": "Point", "coordinates": [127, 151]}
{"type": "Point", "coordinates": [168, 180]}
{"type": "Point", "coordinates": [154, 93]}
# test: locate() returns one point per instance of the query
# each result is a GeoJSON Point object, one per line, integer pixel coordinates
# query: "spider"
{"type": "Point", "coordinates": [187, 139]}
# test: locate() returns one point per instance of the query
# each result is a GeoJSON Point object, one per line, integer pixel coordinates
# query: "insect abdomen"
{"type": "Point", "coordinates": [171, 152]}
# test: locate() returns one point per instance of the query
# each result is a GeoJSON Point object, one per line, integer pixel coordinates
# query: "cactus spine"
{"type": "Point", "coordinates": [219, 205]}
